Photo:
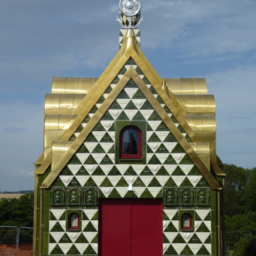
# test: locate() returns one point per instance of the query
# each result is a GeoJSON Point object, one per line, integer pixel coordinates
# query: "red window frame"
{"type": "Point", "coordinates": [69, 221]}
{"type": "Point", "coordinates": [131, 156]}
{"type": "Point", "coordinates": [190, 222]}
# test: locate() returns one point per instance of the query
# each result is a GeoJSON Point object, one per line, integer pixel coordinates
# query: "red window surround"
{"type": "Point", "coordinates": [74, 221]}
{"type": "Point", "coordinates": [186, 221]}
{"type": "Point", "coordinates": [128, 148]}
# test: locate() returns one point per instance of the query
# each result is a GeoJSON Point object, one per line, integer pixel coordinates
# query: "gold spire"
{"type": "Point", "coordinates": [130, 41]}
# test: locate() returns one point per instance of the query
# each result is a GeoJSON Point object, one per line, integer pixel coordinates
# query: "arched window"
{"type": "Point", "coordinates": [186, 221]}
{"type": "Point", "coordinates": [74, 221]}
{"type": "Point", "coordinates": [130, 143]}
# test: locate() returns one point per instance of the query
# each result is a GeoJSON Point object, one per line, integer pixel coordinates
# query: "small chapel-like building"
{"type": "Point", "coordinates": [129, 164]}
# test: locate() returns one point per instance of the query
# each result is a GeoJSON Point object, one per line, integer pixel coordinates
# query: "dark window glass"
{"type": "Point", "coordinates": [130, 142]}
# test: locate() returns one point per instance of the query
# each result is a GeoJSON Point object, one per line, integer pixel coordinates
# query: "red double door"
{"type": "Point", "coordinates": [130, 227]}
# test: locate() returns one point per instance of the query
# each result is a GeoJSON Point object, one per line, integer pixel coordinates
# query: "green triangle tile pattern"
{"type": "Point", "coordinates": [106, 160]}
{"type": "Point", "coordinates": [123, 95]}
{"type": "Point", "coordinates": [208, 240]}
{"type": "Point", "coordinates": [170, 228]}
{"type": "Point", "coordinates": [114, 194]}
{"type": "Point", "coordinates": [149, 150]}
{"type": "Point", "coordinates": [130, 171]}
{"type": "Point", "coordinates": [186, 183]}
{"type": "Point", "coordinates": [52, 217]}
{"type": "Point", "coordinates": [91, 138]}
{"type": "Point", "coordinates": [74, 183]}
{"type": "Point", "coordinates": [153, 91]}
{"type": "Point", "coordinates": [63, 216]}
{"type": "Point", "coordinates": [162, 172]}
{"type": "Point", "coordinates": [197, 217]}
{"type": "Point", "coordinates": [82, 149]}
{"type": "Point", "coordinates": [138, 71]}
{"type": "Point", "coordinates": [194, 240]}
{"type": "Point", "coordinates": [146, 172]}
{"type": "Point", "coordinates": [89, 250]}
{"type": "Point", "coordinates": [98, 149]}
{"type": "Point", "coordinates": [108, 90]}
{"type": "Point", "coordinates": [106, 183]}
{"type": "Point", "coordinates": [186, 160]}
{"type": "Point", "coordinates": [90, 160]}
{"type": "Point", "coordinates": [170, 251]}
{"type": "Point", "coordinates": [176, 216]}
{"type": "Point", "coordinates": [208, 217]}
{"type": "Point", "coordinates": [130, 105]}
{"type": "Point", "coordinates": [73, 250]}
{"type": "Point", "coordinates": [98, 172]}
{"type": "Point", "coordinates": [95, 240]}
{"type": "Point", "coordinates": [122, 183]}
{"type": "Point", "coordinates": [170, 160]}
{"type": "Point", "coordinates": [65, 239]}
{"type": "Point", "coordinates": [154, 138]}
{"type": "Point", "coordinates": [178, 149]}
{"type": "Point", "coordinates": [131, 84]}
{"type": "Point", "coordinates": [162, 149]}
{"type": "Point", "coordinates": [139, 95]}
{"type": "Point", "coordinates": [123, 117]}
{"type": "Point", "coordinates": [58, 183]}
{"type": "Point", "coordinates": [72, 138]}
{"type": "Point", "coordinates": [79, 129]}
{"type": "Point", "coordinates": [154, 183]}
{"type": "Point", "coordinates": [114, 171]}
{"type": "Point", "coordinates": [130, 62]}
{"type": "Point", "coordinates": [146, 194]}
{"type": "Point", "coordinates": [138, 183]}
{"type": "Point", "coordinates": [130, 194]}
{"type": "Point", "coordinates": [101, 100]}
{"type": "Point", "coordinates": [202, 183]}
{"type": "Point", "coordinates": [52, 240]}
{"type": "Point", "coordinates": [81, 239]}
{"type": "Point", "coordinates": [112, 150]}
{"type": "Point", "coordinates": [202, 228]}
{"type": "Point", "coordinates": [159, 100]}
{"type": "Point", "coordinates": [165, 240]}
{"type": "Point", "coordinates": [178, 240]}
{"type": "Point", "coordinates": [82, 172]}
{"type": "Point", "coordinates": [138, 117]}
{"type": "Point", "coordinates": [203, 251]}
{"type": "Point", "coordinates": [90, 183]}
{"type": "Point", "coordinates": [170, 183]}
{"type": "Point", "coordinates": [170, 138]}
{"type": "Point", "coordinates": [106, 138]}
{"type": "Point", "coordinates": [74, 160]}
{"type": "Point", "coordinates": [57, 228]}
{"type": "Point", "coordinates": [95, 216]}
{"type": "Point", "coordinates": [194, 172]}
{"type": "Point", "coordinates": [99, 127]}
{"type": "Point", "coordinates": [89, 228]}
{"type": "Point", "coordinates": [107, 116]}
{"type": "Point", "coordinates": [57, 250]}
{"type": "Point", "coordinates": [112, 128]}
{"type": "Point", "coordinates": [154, 160]}
{"type": "Point", "coordinates": [85, 216]}
{"type": "Point", "coordinates": [147, 106]}
{"type": "Point", "coordinates": [115, 105]}
{"type": "Point", "coordinates": [178, 171]}
{"type": "Point", "coordinates": [187, 251]}
{"type": "Point", "coordinates": [122, 71]}
{"type": "Point", "coordinates": [154, 117]}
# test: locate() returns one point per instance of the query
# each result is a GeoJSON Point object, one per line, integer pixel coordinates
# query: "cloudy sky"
{"type": "Point", "coordinates": [181, 38]}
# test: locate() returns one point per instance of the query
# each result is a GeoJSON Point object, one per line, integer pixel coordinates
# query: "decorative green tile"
{"type": "Point", "coordinates": [114, 194]}
{"type": "Point", "coordinates": [116, 80]}
{"type": "Point", "coordinates": [165, 217]}
{"type": "Point", "coordinates": [81, 240]}
{"type": "Point", "coordinates": [101, 100]}
{"type": "Point", "coordinates": [186, 160]}
{"type": "Point", "coordinates": [153, 91]}
{"type": "Point", "coordinates": [58, 183]}
{"type": "Point", "coordinates": [106, 160]}
{"type": "Point", "coordinates": [72, 138]}
{"type": "Point", "coordinates": [138, 183]}
{"type": "Point", "coordinates": [114, 171]}
{"type": "Point", "coordinates": [106, 138]}
{"type": "Point", "coordinates": [160, 194]}
{"type": "Point", "coordinates": [87, 119]}
{"type": "Point", "coordinates": [98, 149]}
{"type": "Point", "coordinates": [106, 183]}
{"type": "Point", "coordinates": [106, 116]}
{"type": "Point", "coordinates": [89, 250]}
{"type": "Point", "coordinates": [194, 240]}
{"type": "Point", "coordinates": [154, 117]}
{"type": "Point", "coordinates": [187, 251]}
{"type": "Point", "coordinates": [139, 95]}
{"type": "Point", "coordinates": [170, 183]}
{"type": "Point", "coordinates": [159, 100]}
{"type": "Point", "coordinates": [57, 250]}
{"type": "Point", "coordinates": [123, 95]}
{"type": "Point", "coordinates": [90, 160]}
{"type": "Point", "coordinates": [82, 149]}
{"type": "Point", "coordinates": [178, 240]}
{"type": "Point", "coordinates": [170, 228]}
{"type": "Point", "coordinates": [146, 194]}
{"type": "Point", "coordinates": [52, 217]}
{"type": "Point", "coordinates": [122, 183]}
{"type": "Point", "coordinates": [52, 240]}
{"type": "Point", "coordinates": [149, 149]}
{"type": "Point", "coordinates": [154, 160]}
{"type": "Point", "coordinates": [170, 160]}
{"type": "Point", "coordinates": [98, 172]}
{"type": "Point", "coordinates": [90, 228]}
{"type": "Point", "coordinates": [95, 239]}
{"type": "Point", "coordinates": [203, 228]}
{"type": "Point", "coordinates": [139, 72]}
{"type": "Point", "coordinates": [94, 109]}
{"type": "Point", "coordinates": [162, 149]}
{"type": "Point", "coordinates": [145, 80]}
{"type": "Point", "coordinates": [154, 138]}
{"type": "Point", "coordinates": [174, 119]}
{"type": "Point", "coordinates": [90, 183]}
{"type": "Point", "coordinates": [99, 127]}
{"type": "Point", "coordinates": [122, 71]}
{"type": "Point", "coordinates": [130, 105]}
{"type": "Point", "coordinates": [176, 216]}
{"type": "Point", "coordinates": [130, 194]}
{"type": "Point", "coordinates": [74, 160]}
{"type": "Point", "coordinates": [82, 171]}
{"type": "Point", "coordinates": [130, 172]}
{"type": "Point", "coordinates": [131, 84]}
{"type": "Point", "coordinates": [91, 138]}
{"type": "Point", "coordinates": [170, 138]}
{"type": "Point", "coordinates": [194, 172]}
{"type": "Point", "coordinates": [208, 240]}
{"type": "Point", "coordinates": [186, 183]}
{"type": "Point", "coordinates": [197, 217]}
{"type": "Point", "coordinates": [79, 129]}
{"type": "Point", "coordinates": [167, 110]}
{"type": "Point", "coordinates": [130, 62]}
{"type": "Point", "coordinates": [149, 129]}
{"type": "Point", "coordinates": [112, 150]}
{"type": "Point", "coordinates": [202, 183]}
{"type": "Point", "coordinates": [66, 171]}
{"type": "Point", "coordinates": [178, 171]}
{"type": "Point", "coordinates": [146, 172]}
{"type": "Point", "coordinates": [112, 128]}
{"type": "Point", "coordinates": [170, 251]}
{"type": "Point", "coordinates": [208, 217]}
{"type": "Point", "coordinates": [162, 172]}
{"type": "Point", "coordinates": [57, 228]}
{"type": "Point", "coordinates": [96, 216]}
{"type": "Point", "coordinates": [181, 129]}
{"type": "Point", "coordinates": [146, 105]}
{"type": "Point", "coordinates": [123, 117]}
{"type": "Point", "coordinates": [74, 183]}
{"type": "Point", "coordinates": [165, 240]}
{"type": "Point", "coordinates": [138, 117]}
{"type": "Point", "coordinates": [162, 127]}
{"type": "Point", "coordinates": [178, 149]}
{"type": "Point", "coordinates": [73, 250]}
{"type": "Point", "coordinates": [203, 251]}
{"type": "Point", "coordinates": [101, 195]}
{"type": "Point", "coordinates": [65, 239]}
{"type": "Point", "coordinates": [115, 105]}
{"type": "Point", "coordinates": [85, 216]}
{"type": "Point", "coordinates": [154, 183]}
{"type": "Point", "coordinates": [108, 90]}
{"type": "Point", "coordinates": [63, 216]}
{"type": "Point", "coordinates": [188, 139]}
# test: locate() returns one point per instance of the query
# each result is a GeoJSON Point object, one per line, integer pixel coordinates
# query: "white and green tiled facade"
{"type": "Point", "coordinates": [96, 168]}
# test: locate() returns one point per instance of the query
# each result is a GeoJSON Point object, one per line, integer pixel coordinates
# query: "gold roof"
{"type": "Point", "coordinates": [186, 98]}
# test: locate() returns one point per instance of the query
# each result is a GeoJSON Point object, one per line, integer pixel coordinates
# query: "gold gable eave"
{"type": "Point", "coordinates": [131, 73]}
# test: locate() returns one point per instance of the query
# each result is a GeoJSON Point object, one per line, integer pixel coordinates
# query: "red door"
{"type": "Point", "coordinates": [131, 227]}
